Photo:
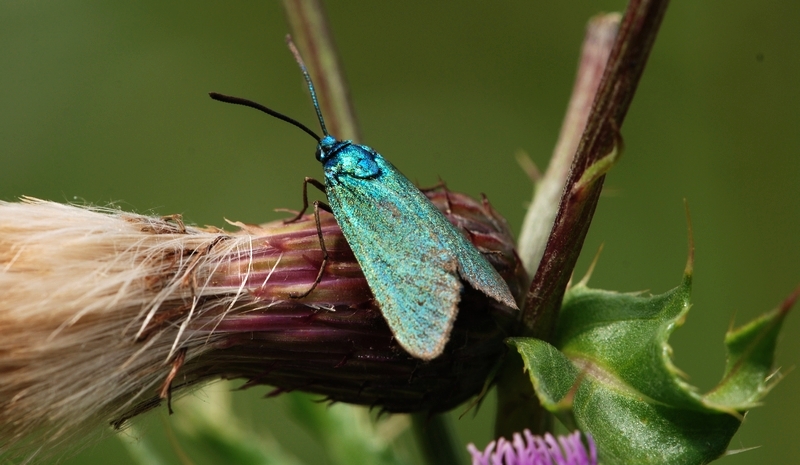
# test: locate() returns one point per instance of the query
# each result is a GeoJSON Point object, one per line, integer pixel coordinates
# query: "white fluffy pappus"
{"type": "Point", "coordinates": [94, 311]}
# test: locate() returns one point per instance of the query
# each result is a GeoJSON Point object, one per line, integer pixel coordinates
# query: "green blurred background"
{"type": "Point", "coordinates": [106, 102]}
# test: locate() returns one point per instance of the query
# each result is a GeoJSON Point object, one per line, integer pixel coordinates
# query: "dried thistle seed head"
{"type": "Point", "coordinates": [107, 312]}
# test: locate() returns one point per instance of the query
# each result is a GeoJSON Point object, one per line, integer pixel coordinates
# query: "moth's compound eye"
{"type": "Point", "coordinates": [318, 154]}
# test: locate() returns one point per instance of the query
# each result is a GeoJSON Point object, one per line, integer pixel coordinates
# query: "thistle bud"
{"type": "Point", "coordinates": [335, 341]}
{"type": "Point", "coordinates": [104, 314]}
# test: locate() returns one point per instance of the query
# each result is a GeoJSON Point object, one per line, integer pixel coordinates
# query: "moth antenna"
{"type": "Point", "coordinates": [310, 84]}
{"type": "Point", "coordinates": [269, 111]}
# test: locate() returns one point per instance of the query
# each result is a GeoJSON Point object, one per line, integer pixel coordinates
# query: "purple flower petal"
{"type": "Point", "coordinates": [527, 449]}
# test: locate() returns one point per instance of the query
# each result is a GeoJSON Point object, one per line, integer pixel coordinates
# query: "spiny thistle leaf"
{"type": "Point", "coordinates": [751, 350]}
{"type": "Point", "coordinates": [610, 373]}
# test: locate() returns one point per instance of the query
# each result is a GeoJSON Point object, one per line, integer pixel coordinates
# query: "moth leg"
{"type": "Point", "coordinates": [317, 207]}
{"type": "Point", "coordinates": [299, 215]}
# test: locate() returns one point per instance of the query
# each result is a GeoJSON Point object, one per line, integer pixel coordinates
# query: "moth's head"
{"type": "Point", "coordinates": [329, 146]}
{"type": "Point", "coordinates": [325, 148]}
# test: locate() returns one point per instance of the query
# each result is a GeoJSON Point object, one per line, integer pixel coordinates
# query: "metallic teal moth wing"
{"type": "Point", "coordinates": [411, 255]}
